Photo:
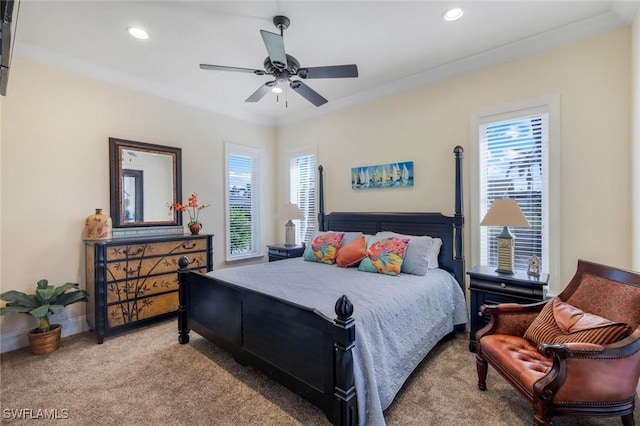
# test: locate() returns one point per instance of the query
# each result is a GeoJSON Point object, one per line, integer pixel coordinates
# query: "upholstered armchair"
{"type": "Point", "coordinates": [574, 355]}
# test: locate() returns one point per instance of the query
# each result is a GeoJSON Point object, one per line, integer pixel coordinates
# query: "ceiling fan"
{"type": "Point", "coordinates": [282, 67]}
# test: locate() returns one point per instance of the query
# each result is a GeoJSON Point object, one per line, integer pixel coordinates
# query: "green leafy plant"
{"type": "Point", "coordinates": [46, 301]}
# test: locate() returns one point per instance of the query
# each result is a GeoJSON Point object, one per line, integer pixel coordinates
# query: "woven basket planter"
{"type": "Point", "coordinates": [45, 343]}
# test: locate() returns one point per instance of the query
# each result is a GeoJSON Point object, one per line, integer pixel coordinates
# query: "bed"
{"type": "Point", "coordinates": [336, 337]}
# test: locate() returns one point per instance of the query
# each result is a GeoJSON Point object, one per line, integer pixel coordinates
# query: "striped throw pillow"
{"type": "Point", "coordinates": [559, 322]}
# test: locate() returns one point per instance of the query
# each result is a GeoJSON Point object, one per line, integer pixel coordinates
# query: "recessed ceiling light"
{"type": "Point", "coordinates": [138, 33]}
{"type": "Point", "coordinates": [452, 14]}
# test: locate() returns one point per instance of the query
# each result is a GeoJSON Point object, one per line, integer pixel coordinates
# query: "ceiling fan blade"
{"type": "Point", "coordinates": [275, 46]}
{"type": "Point", "coordinates": [259, 94]}
{"type": "Point", "coordinates": [234, 69]}
{"type": "Point", "coordinates": [308, 93]}
{"type": "Point", "coordinates": [334, 71]}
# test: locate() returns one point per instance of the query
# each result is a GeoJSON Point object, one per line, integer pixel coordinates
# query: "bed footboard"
{"type": "Point", "coordinates": [299, 347]}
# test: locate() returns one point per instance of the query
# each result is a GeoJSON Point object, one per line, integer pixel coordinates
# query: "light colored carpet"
{"type": "Point", "coordinates": [145, 377]}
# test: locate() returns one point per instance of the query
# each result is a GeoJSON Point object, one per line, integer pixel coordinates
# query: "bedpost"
{"type": "Point", "coordinates": [320, 198]}
{"type": "Point", "coordinates": [459, 218]}
{"type": "Point", "coordinates": [183, 325]}
{"type": "Point", "coordinates": [345, 410]}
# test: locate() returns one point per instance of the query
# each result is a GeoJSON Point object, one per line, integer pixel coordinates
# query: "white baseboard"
{"type": "Point", "coordinates": [18, 339]}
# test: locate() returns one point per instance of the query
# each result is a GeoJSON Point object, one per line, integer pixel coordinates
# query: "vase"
{"type": "Point", "coordinates": [195, 228]}
{"type": "Point", "coordinates": [45, 343]}
{"type": "Point", "coordinates": [97, 227]}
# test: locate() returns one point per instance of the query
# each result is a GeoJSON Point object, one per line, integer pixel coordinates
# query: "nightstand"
{"type": "Point", "coordinates": [280, 251]}
{"type": "Point", "coordinates": [491, 288]}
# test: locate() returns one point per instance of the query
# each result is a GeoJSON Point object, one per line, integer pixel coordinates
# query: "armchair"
{"type": "Point", "coordinates": [595, 375]}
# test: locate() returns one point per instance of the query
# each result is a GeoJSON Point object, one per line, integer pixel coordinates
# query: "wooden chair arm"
{"type": "Point", "coordinates": [509, 318]}
{"type": "Point", "coordinates": [588, 372]}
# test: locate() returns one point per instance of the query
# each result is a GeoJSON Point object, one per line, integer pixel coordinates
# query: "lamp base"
{"type": "Point", "coordinates": [290, 234]}
{"type": "Point", "coordinates": [505, 254]}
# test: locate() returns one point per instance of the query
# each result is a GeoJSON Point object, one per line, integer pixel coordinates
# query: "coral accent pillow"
{"type": "Point", "coordinates": [385, 256]}
{"type": "Point", "coordinates": [559, 322]}
{"type": "Point", "coordinates": [324, 248]}
{"type": "Point", "coordinates": [352, 253]}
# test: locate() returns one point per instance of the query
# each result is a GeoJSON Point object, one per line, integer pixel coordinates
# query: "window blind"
{"type": "Point", "coordinates": [242, 205]}
{"type": "Point", "coordinates": [514, 164]}
{"type": "Point", "coordinates": [303, 193]}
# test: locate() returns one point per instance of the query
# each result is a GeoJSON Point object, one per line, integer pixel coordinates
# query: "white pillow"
{"type": "Point", "coordinates": [435, 251]}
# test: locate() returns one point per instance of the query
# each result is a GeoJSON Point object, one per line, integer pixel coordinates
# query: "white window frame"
{"type": "Point", "coordinates": [291, 156]}
{"type": "Point", "coordinates": [551, 106]}
{"type": "Point", "coordinates": [256, 155]}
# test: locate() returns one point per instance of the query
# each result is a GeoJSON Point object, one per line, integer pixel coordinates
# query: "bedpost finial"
{"type": "Point", "coordinates": [183, 262]}
{"type": "Point", "coordinates": [458, 150]}
{"type": "Point", "coordinates": [320, 168]}
{"type": "Point", "coordinates": [344, 308]}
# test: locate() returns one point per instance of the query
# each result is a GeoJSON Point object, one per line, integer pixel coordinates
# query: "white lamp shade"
{"type": "Point", "coordinates": [505, 212]}
{"type": "Point", "coordinates": [290, 211]}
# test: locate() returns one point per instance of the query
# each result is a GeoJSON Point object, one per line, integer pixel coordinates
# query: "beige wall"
{"type": "Point", "coordinates": [55, 172]}
{"type": "Point", "coordinates": [591, 77]}
{"type": "Point", "coordinates": [635, 157]}
{"type": "Point", "coordinates": [54, 155]}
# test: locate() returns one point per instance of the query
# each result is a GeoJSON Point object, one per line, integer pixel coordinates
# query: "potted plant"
{"type": "Point", "coordinates": [193, 208]}
{"type": "Point", "coordinates": [46, 301]}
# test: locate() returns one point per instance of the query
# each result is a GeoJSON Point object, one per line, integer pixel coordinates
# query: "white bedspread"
{"type": "Point", "coordinates": [398, 319]}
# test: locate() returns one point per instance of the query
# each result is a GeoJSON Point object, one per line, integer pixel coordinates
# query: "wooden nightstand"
{"type": "Point", "coordinates": [491, 288]}
{"type": "Point", "coordinates": [280, 251]}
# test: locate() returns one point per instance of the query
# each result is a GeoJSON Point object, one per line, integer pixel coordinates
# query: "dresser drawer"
{"type": "Point", "coordinates": [145, 286]}
{"type": "Point", "coordinates": [140, 309]}
{"type": "Point", "coordinates": [505, 287]}
{"type": "Point", "coordinates": [130, 251]}
{"type": "Point", "coordinates": [139, 268]}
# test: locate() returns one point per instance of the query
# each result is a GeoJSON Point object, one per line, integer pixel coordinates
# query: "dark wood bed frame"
{"type": "Point", "coordinates": [300, 347]}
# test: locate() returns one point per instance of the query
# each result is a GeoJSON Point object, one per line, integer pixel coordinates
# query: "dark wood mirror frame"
{"type": "Point", "coordinates": [117, 174]}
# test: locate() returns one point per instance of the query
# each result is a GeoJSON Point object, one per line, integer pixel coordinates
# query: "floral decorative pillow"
{"type": "Point", "coordinates": [324, 248]}
{"type": "Point", "coordinates": [348, 237]}
{"type": "Point", "coordinates": [422, 253]}
{"type": "Point", "coordinates": [385, 256]}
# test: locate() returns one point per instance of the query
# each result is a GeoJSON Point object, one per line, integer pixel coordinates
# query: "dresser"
{"type": "Point", "coordinates": [134, 281]}
{"type": "Point", "coordinates": [486, 286]}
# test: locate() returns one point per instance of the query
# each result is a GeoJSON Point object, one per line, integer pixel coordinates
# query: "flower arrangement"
{"type": "Point", "coordinates": [192, 207]}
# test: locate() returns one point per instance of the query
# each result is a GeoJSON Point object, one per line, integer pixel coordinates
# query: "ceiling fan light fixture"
{"type": "Point", "coordinates": [276, 89]}
{"type": "Point", "coordinates": [452, 14]}
{"type": "Point", "coordinates": [138, 33]}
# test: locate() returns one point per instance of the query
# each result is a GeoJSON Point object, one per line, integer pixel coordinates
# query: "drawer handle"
{"type": "Point", "coordinates": [188, 246]}
{"type": "Point", "coordinates": [503, 285]}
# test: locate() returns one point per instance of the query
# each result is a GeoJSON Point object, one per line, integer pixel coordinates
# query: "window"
{"type": "Point", "coordinates": [302, 179]}
{"type": "Point", "coordinates": [514, 161]}
{"type": "Point", "coordinates": [242, 202]}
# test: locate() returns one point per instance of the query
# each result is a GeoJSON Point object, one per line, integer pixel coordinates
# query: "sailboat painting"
{"type": "Point", "coordinates": [393, 175]}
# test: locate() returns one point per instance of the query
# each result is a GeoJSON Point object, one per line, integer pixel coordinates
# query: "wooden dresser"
{"type": "Point", "coordinates": [134, 281]}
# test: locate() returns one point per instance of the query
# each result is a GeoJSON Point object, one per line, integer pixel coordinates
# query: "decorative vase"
{"type": "Point", "coordinates": [195, 228]}
{"type": "Point", "coordinates": [45, 343]}
{"type": "Point", "coordinates": [97, 227]}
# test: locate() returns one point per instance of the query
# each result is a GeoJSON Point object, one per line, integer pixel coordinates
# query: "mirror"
{"type": "Point", "coordinates": [145, 180]}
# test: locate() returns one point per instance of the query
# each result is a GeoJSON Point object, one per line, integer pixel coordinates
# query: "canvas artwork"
{"type": "Point", "coordinates": [382, 176]}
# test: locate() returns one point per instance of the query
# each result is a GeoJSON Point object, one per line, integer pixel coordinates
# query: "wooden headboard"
{"type": "Point", "coordinates": [448, 228]}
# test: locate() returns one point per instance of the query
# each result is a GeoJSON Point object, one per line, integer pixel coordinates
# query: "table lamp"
{"type": "Point", "coordinates": [505, 212]}
{"type": "Point", "coordinates": [290, 212]}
